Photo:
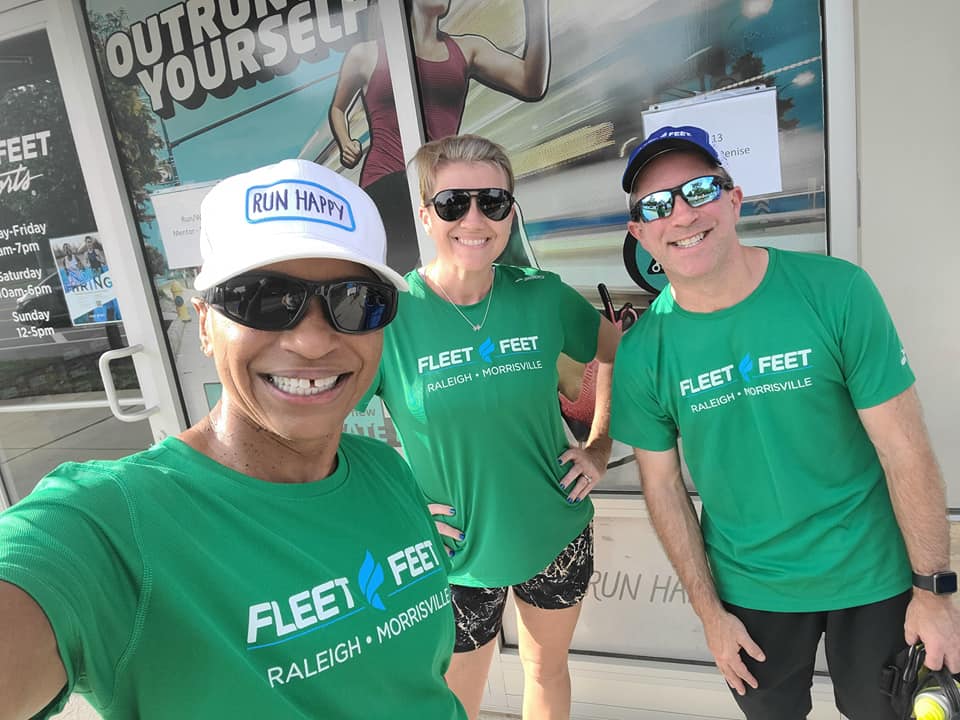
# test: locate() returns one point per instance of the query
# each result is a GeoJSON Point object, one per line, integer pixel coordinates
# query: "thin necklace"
{"type": "Point", "coordinates": [476, 328]}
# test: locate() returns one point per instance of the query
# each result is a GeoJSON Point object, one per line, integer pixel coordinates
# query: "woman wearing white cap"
{"type": "Point", "coordinates": [259, 564]}
{"type": "Point", "coordinates": [469, 374]}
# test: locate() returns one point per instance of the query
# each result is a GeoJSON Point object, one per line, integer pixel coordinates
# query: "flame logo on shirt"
{"type": "Point", "coordinates": [370, 579]}
{"type": "Point", "coordinates": [746, 367]}
{"type": "Point", "coordinates": [486, 350]}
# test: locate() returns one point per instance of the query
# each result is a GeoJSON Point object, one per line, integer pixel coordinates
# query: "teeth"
{"type": "Point", "coordinates": [302, 386]}
{"type": "Point", "coordinates": [690, 241]}
{"type": "Point", "coordinates": [471, 243]}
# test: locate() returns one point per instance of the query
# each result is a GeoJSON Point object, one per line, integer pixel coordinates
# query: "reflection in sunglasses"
{"type": "Point", "coordinates": [270, 301]}
{"type": "Point", "coordinates": [453, 204]}
{"type": "Point", "coordinates": [696, 192]}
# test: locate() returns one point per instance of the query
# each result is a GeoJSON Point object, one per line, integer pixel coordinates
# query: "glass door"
{"type": "Point", "coordinates": [72, 280]}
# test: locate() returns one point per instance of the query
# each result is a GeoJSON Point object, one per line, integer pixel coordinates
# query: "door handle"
{"type": "Point", "coordinates": [111, 391]}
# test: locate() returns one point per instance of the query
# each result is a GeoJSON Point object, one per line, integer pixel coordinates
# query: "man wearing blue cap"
{"type": "Point", "coordinates": [821, 496]}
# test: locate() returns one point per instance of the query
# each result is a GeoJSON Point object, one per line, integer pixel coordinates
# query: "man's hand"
{"type": "Point", "coordinates": [726, 636]}
{"type": "Point", "coordinates": [934, 620]}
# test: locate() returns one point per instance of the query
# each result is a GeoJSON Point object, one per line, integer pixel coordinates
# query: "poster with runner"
{"type": "Point", "coordinates": [197, 96]}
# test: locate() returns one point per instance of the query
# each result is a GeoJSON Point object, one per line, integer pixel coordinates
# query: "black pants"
{"type": "Point", "coordinates": [858, 642]}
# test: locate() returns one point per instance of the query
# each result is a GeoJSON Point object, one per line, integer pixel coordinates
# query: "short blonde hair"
{"type": "Point", "coordinates": [457, 148]}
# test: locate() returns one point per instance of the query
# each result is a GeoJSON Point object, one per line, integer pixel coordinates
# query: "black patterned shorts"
{"type": "Point", "coordinates": [479, 611]}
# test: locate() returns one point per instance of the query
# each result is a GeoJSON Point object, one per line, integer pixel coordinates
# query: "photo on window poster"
{"type": "Point", "coordinates": [85, 279]}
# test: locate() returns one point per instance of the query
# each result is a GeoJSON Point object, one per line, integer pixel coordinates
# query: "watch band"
{"type": "Point", "coordinates": [940, 583]}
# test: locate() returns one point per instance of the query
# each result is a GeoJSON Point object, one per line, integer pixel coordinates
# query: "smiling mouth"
{"type": "Point", "coordinates": [472, 242]}
{"type": "Point", "coordinates": [303, 387]}
{"type": "Point", "coordinates": [690, 242]}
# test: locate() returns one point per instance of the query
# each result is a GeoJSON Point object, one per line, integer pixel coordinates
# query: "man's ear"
{"type": "Point", "coordinates": [204, 316]}
{"type": "Point", "coordinates": [736, 197]}
{"type": "Point", "coordinates": [638, 230]}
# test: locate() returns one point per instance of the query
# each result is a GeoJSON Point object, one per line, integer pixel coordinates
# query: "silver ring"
{"type": "Point", "coordinates": [587, 478]}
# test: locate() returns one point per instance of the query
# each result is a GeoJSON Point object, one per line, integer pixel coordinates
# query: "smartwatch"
{"type": "Point", "coordinates": [940, 583]}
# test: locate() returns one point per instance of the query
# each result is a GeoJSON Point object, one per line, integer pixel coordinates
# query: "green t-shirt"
{"type": "Point", "coordinates": [178, 588]}
{"type": "Point", "coordinates": [796, 513]}
{"type": "Point", "coordinates": [479, 417]}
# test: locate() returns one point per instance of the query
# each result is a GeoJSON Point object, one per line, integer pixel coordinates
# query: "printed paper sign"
{"type": "Point", "coordinates": [178, 215]}
{"type": "Point", "coordinates": [742, 127]}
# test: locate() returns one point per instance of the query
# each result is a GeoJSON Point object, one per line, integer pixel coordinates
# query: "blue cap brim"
{"type": "Point", "coordinates": [654, 149]}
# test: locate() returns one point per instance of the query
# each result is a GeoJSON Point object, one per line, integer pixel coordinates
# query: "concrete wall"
{"type": "Point", "coordinates": [908, 72]}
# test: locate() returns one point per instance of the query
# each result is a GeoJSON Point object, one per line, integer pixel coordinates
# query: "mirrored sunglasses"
{"type": "Point", "coordinates": [696, 192]}
{"type": "Point", "coordinates": [270, 301]}
{"type": "Point", "coordinates": [451, 205]}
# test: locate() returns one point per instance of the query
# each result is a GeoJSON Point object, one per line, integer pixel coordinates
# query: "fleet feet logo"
{"type": "Point", "coordinates": [486, 350]}
{"type": "Point", "coordinates": [370, 579]}
{"type": "Point", "coordinates": [746, 367]}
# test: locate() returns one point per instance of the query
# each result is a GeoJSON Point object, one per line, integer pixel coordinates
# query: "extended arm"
{"type": "Point", "coordinates": [355, 72]}
{"type": "Point", "coordinates": [592, 459]}
{"type": "Point", "coordinates": [675, 521]}
{"type": "Point", "coordinates": [919, 501]}
{"type": "Point", "coordinates": [31, 673]}
{"type": "Point", "coordinates": [523, 77]}
{"type": "Point", "coordinates": [608, 337]}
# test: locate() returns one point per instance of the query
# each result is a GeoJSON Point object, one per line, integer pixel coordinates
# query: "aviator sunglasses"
{"type": "Point", "coordinates": [452, 205]}
{"type": "Point", "coordinates": [696, 192]}
{"type": "Point", "coordinates": [271, 301]}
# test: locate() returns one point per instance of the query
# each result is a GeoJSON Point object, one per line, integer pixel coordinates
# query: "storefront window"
{"type": "Point", "coordinates": [259, 86]}
{"type": "Point", "coordinates": [58, 309]}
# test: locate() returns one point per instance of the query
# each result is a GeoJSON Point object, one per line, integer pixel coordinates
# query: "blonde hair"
{"type": "Point", "coordinates": [457, 148]}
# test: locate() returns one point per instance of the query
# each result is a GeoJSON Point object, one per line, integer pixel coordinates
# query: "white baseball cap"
{"type": "Point", "coordinates": [292, 210]}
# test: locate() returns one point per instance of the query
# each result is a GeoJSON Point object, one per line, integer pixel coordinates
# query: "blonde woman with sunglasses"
{"type": "Point", "coordinates": [469, 376]}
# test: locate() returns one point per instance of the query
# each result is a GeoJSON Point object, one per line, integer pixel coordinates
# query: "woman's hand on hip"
{"type": "Point", "coordinates": [589, 465]}
{"type": "Point", "coordinates": [447, 511]}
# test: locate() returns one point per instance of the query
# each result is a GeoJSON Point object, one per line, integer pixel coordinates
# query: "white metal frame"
{"type": "Point", "coordinates": [840, 116]}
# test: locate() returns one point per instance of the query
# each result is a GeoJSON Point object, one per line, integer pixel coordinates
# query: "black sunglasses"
{"type": "Point", "coordinates": [696, 192]}
{"type": "Point", "coordinates": [270, 301]}
{"type": "Point", "coordinates": [452, 205]}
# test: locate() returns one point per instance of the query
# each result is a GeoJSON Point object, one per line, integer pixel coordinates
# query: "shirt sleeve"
{"type": "Point", "coordinates": [72, 547]}
{"type": "Point", "coordinates": [637, 417]}
{"type": "Point", "coordinates": [875, 364]}
{"type": "Point", "coordinates": [581, 324]}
